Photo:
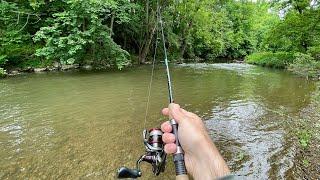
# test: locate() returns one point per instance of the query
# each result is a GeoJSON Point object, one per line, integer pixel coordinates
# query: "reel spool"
{"type": "Point", "coordinates": [154, 155]}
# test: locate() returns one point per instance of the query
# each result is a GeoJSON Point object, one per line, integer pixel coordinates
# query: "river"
{"type": "Point", "coordinates": [84, 125]}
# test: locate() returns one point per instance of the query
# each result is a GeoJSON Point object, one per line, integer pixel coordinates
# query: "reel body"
{"type": "Point", "coordinates": [154, 155]}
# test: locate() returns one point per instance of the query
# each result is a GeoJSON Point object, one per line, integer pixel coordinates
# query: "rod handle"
{"type": "Point", "coordinates": [182, 177]}
{"type": "Point", "coordinates": [178, 157]}
{"type": "Point", "coordinates": [179, 164]}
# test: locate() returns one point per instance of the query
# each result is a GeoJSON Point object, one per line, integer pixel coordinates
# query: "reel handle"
{"type": "Point", "coordinates": [124, 172]}
{"type": "Point", "coordinates": [178, 157]}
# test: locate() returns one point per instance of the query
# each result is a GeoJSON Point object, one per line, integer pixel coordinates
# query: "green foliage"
{"type": "Point", "coordinates": [15, 41]}
{"type": "Point", "coordinates": [314, 51]}
{"type": "Point", "coordinates": [239, 39]}
{"type": "Point", "coordinates": [19, 54]}
{"type": "Point", "coordinates": [79, 32]}
{"type": "Point", "coordinates": [66, 31]}
{"type": "Point", "coordinates": [2, 72]}
{"type": "Point", "coordinates": [269, 59]}
{"type": "Point", "coordinates": [317, 101]}
{"type": "Point", "coordinates": [298, 29]}
{"type": "Point", "coordinates": [3, 59]}
{"type": "Point", "coordinates": [37, 32]}
{"type": "Point", "coordinates": [209, 29]}
{"type": "Point", "coordinates": [305, 65]}
{"type": "Point", "coordinates": [304, 138]}
{"type": "Point", "coordinates": [305, 162]}
{"type": "Point", "coordinates": [240, 156]}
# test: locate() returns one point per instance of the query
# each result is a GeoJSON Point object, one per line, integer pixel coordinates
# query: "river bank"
{"type": "Point", "coordinates": [69, 67]}
{"type": "Point", "coordinates": [305, 65]}
{"type": "Point", "coordinates": [305, 133]}
{"type": "Point", "coordinates": [54, 67]}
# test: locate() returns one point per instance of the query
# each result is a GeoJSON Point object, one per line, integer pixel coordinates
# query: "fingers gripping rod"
{"type": "Point", "coordinates": [178, 157]}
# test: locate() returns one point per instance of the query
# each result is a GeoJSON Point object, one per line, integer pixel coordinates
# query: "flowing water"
{"type": "Point", "coordinates": [84, 125]}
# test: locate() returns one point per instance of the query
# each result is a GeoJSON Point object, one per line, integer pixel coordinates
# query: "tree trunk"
{"type": "Point", "coordinates": [183, 48]}
{"type": "Point", "coordinates": [111, 24]}
{"type": "Point", "coordinates": [146, 46]}
{"type": "Point", "coordinates": [124, 40]}
{"type": "Point", "coordinates": [184, 41]}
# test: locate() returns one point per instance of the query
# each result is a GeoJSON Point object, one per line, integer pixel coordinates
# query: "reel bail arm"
{"type": "Point", "coordinates": [154, 155]}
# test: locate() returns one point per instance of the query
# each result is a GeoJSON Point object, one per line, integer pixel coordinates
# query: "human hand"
{"type": "Point", "coordinates": [203, 160]}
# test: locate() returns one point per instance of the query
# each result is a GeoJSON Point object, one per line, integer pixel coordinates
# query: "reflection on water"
{"type": "Point", "coordinates": [86, 124]}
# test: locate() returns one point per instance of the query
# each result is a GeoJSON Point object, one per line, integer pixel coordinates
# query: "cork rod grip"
{"type": "Point", "coordinates": [182, 177]}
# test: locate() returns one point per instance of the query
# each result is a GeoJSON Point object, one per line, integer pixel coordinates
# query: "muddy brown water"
{"type": "Point", "coordinates": [84, 125]}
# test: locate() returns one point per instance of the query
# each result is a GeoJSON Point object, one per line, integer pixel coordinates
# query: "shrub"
{"type": "Point", "coordinates": [3, 59]}
{"type": "Point", "coordinates": [19, 55]}
{"type": "Point", "coordinates": [79, 32]}
{"type": "Point", "coordinates": [2, 72]}
{"type": "Point", "coordinates": [314, 51]}
{"type": "Point", "coordinates": [270, 59]}
{"type": "Point", "coordinates": [305, 65]}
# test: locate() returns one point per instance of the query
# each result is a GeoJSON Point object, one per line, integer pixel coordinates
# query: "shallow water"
{"type": "Point", "coordinates": [86, 124]}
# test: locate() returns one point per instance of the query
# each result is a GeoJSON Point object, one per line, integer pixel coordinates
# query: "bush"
{"type": "Point", "coordinates": [305, 65]}
{"type": "Point", "coordinates": [79, 32]}
{"type": "Point", "coordinates": [270, 59]}
{"type": "Point", "coordinates": [19, 55]}
{"type": "Point", "coordinates": [2, 72]}
{"type": "Point", "coordinates": [3, 59]}
{"type": "Point", "coordinates": [314, 51]}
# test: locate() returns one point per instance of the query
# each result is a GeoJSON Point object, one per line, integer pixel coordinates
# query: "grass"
{"type": "Point", "coordinates": [304, 138]}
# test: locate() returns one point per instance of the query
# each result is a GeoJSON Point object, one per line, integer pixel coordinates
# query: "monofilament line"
{"type": "Point", "coordinates": [151, 79]}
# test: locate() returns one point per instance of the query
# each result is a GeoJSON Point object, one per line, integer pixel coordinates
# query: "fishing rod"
{"type": "Point", "coordinates": [178, 157]}
{"type": "Point", "coordinates": [152, 139]}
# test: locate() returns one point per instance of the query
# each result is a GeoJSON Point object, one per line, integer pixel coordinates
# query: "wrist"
{"type": "Point", "coordinates": [210, 164]}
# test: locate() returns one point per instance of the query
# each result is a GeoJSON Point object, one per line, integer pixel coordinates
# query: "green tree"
{"type": "Point", "coordinates": [298, 29]}
{"type": "Point", "coordinates": [80, 34]}
{"type": "Point", "coordinates": [16, 21]}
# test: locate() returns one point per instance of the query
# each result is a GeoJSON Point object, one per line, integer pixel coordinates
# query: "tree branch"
{"type": "Point", "coordinates": [25, 23]}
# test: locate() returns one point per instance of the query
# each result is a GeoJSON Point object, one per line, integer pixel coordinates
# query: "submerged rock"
{"type": "Point", "coordinates": [51, 68]}
{"type": "Point", "coordinates": [37, 70]}
{"type": "Point", "coordinates": [87, 67]}
{"type": "Point", "coordinates": [28, 69]}
{"type": "Point", "coordinates": [66, 67]}
{"type": "Point", "coordinates": [14, 72]}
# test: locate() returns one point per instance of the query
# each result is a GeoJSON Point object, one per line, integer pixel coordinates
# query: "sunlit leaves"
{"type": "Point", "coordinates": [80, 32]}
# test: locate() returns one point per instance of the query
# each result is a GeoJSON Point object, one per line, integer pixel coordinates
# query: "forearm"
{"type": "Point", "coordinates": [209, 163]}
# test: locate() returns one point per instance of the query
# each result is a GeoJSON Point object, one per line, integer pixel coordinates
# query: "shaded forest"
{"type": "Point", "coordinates": [118, 33]}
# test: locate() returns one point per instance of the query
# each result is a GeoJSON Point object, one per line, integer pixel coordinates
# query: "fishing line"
{"type": "Point", "coordinates": [151, 78]}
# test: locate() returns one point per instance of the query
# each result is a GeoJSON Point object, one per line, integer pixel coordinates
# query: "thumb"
{"type": "Point", "coordinates": [176, 113]}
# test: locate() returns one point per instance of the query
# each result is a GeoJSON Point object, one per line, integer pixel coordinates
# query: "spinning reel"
{"type": "Point", "coordinates": [154, 155]}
